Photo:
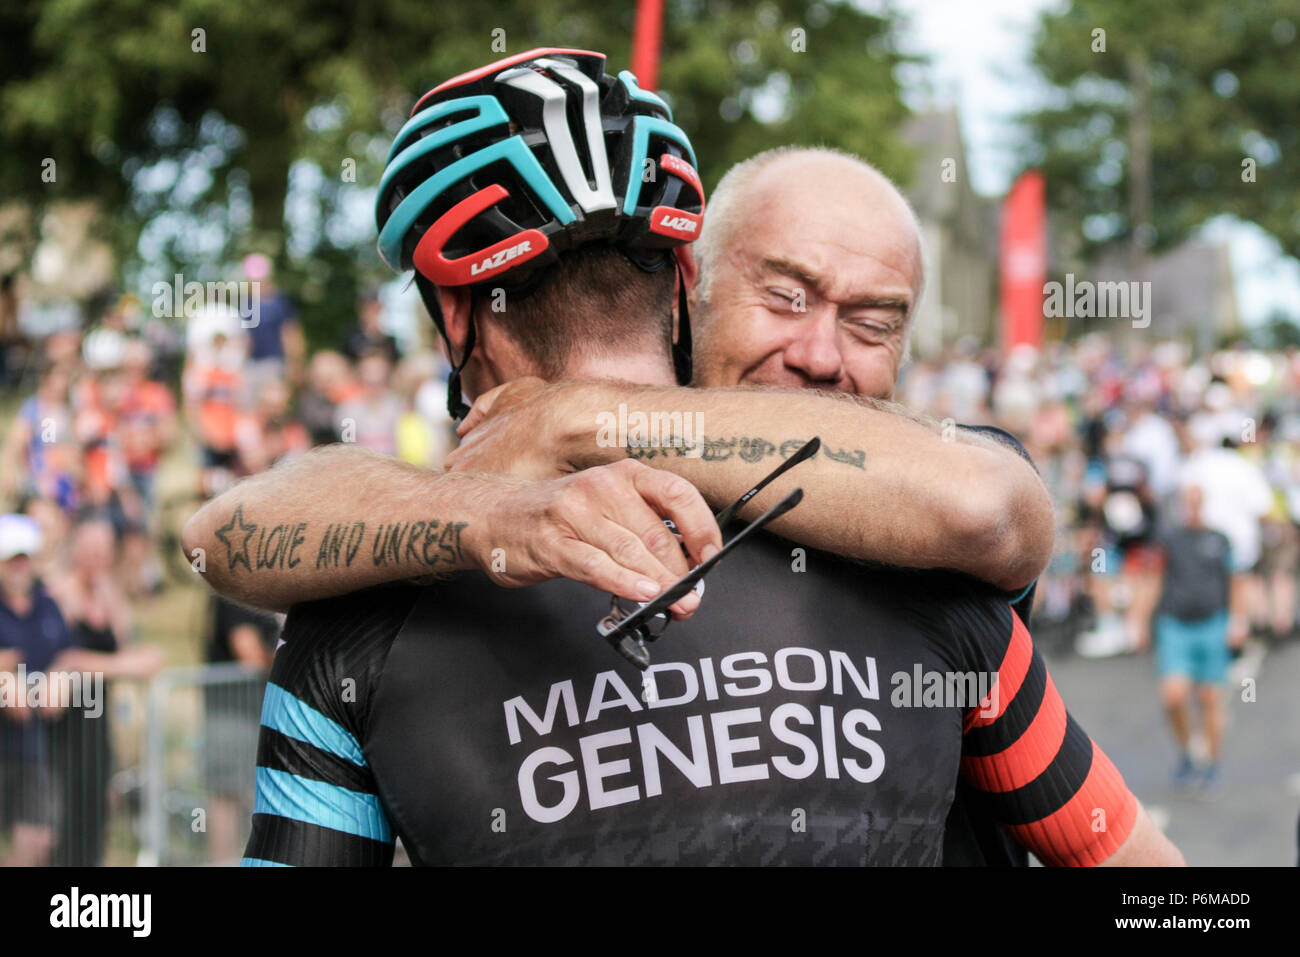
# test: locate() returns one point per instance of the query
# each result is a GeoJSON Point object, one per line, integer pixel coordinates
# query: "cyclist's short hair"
{"type": "Point", "coordinates": [595, 301]}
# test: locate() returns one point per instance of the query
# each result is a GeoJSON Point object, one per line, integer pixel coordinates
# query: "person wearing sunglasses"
{"type": "Point", "coordinates": [492, 727]}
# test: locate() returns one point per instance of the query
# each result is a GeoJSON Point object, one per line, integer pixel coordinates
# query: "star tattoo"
{"type": "Point", "coordinates": [232, 530]}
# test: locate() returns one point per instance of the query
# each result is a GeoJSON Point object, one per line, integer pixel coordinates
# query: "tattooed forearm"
{"type": "Point", "coordinates": [429, 543]}
{"type": "Point", "coordinates": [750, 449]}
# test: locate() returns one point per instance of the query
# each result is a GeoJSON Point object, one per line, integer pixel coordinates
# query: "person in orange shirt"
{"type": "Point", "coordinates": [146, 419]}
{"type": "Point", "coordinates": [213, 386]}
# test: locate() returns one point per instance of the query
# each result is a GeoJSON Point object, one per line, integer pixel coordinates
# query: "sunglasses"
{"type": "Point", "coordinates": [631, 632]}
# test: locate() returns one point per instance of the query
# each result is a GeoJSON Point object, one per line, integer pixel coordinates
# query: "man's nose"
{"type": "Point", "coordinates": [815, 352]}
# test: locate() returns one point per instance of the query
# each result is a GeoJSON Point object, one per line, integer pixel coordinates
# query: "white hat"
{"type": "Point", "coordinates": [19, 535]}
{"type": "Point", "coordinates": [211, 321]}
{"type": "Point", "coordinates": [104, 349]}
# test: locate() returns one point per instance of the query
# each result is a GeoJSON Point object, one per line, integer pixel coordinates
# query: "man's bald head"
{"type": "Point", "coordinates": [810, 269]}
{"type": "Point", "coordinates": [805, 177]}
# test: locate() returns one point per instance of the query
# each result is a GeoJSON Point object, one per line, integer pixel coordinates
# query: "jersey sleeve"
{"type": "Point", "coordinates": [1023, 600]}
{"type": "Point", "coordinates": [317, 800]}
{"type": "Point", "coordinates": [1038, 773]}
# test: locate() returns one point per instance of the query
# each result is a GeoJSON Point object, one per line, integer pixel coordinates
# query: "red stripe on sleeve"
{"type": "Point", "coordinates": [1029, 755]}
{"type": "Point", "coordinates": [1088, 828]}
{"type": "Point", "coordinates": [1011, 675]}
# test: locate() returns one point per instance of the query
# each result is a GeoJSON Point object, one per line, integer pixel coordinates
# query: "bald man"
{"type": "Point", "coordinates": [810, 270]}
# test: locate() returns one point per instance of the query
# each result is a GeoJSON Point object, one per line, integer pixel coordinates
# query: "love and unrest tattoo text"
{"type": "Point", "coordinates": [426, 543]}
{"type": "Point", "coordinates": [751, 449]}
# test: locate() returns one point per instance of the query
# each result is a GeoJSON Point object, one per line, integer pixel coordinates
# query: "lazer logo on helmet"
{"type": "Point", "coordinates": [680, 223]}
{"type": "Point", "coordinates": [497, 260]}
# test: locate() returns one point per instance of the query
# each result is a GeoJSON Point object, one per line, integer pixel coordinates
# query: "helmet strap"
{"type": "Point", "coordinates": [456, 406]}
{"type": "Point", "coordinates": [682, 347]}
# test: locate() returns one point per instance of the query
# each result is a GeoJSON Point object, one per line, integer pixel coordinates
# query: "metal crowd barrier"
{"type": "Point", "coordinates": [200, 752]}
{"type": "Point", "coordinates": [161, 774]}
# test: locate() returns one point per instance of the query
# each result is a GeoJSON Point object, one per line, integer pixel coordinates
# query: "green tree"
{"type": "Point", "coordinates": [1208, 85]}
{"type": "Point", "coordinates": [205, 128]}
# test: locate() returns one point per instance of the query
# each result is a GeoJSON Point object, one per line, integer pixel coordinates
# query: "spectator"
{"type": "Point", "coordinates": [423, 438]}
{"type": "Point", "coordinates": [1235, 495]}
{"type": "Point", "coordinates": [1193, 633]}
{"type": "Point", "coordinates": [33, 633]}
{"type": "Point", "coordinates": [276, 343]}
{"type": "Point", "coordinates": [330, 382]}
{"type": "Point", "coordinates": [371, 418]}
{"type": "Point", "coordinates": [213, 386]}
{"type": "Point", "coordinates": [96, 609]}
{"type": "Point", "coordinates": [9, 333]}
{"type": "Point", "coordinates": [145, 413]}
{"type": "Point", "coordinates": [366, 335]}
{"type": "Point", "coordinates": [266, 434]}
{"type": "Point", "coordinates": [146, 419]}
{"type": "Point", "coordinates": [40, 455]}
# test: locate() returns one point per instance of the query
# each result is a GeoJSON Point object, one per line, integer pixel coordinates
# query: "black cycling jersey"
{"type": "Point", "coordinates": [972, 838]}
{"type": "Point", "coordinates": [812, 711]}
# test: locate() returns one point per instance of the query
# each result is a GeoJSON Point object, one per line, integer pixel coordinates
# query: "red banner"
{"type": "Point", "coordinates": [1023, 261]}
{"type": "Point", "coordinates": [645, 43]}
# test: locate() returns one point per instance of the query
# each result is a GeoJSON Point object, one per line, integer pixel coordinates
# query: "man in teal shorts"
{"type": "Point", "coordinates": [1194, 633]}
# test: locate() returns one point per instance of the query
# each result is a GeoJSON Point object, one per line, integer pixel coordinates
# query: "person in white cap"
{"type": "Point", "coordinates": [32, 635]}
{"type": "Point", "coordinates": [36, 640]}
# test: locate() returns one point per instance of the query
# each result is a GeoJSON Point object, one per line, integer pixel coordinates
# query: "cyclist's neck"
{"type": "Point", "coordinates": [638, 369]}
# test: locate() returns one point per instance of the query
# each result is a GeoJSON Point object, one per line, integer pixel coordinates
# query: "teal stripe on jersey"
{"type": "Point", "coordinates": [281, 794]}
{"type": "Point", "coordinates": [290, 716]}
{"type": "Point", "coordinates": [258, 862]}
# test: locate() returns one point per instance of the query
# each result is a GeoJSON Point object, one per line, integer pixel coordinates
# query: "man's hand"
{"type": "Point", "coordinates": [499, 399]}
{"type": "Point", "coordinates": [602, 527]}
{"type": "Point", "coordinates": [525, 428]}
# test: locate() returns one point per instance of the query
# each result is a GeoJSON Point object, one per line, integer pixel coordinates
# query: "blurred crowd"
{"type": "Point", "coordinates": [89, 522]}
{"type": "Point", "coordinates": [113, 419]}
{"type": "Point", "coordinates": [1119, 430]}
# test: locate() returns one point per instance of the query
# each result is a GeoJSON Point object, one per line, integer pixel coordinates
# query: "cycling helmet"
{"type": "Point", "coordinates": [500, 171]}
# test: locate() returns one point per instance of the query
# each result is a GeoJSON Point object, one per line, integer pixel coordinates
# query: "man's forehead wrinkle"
{"type": "Point", "coordinates": [837, 287]}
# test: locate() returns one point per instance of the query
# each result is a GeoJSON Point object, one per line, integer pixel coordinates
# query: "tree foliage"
{"type": "Point", "coordinates": [1223, 93]}
{"type": "Point", "coordinates": [208, 127]}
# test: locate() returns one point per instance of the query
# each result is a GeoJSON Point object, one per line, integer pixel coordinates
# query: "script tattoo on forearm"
{"type": "Point", "coordinates": [747, 448]}
{"type": "Point", "coordinates": [427, 543]}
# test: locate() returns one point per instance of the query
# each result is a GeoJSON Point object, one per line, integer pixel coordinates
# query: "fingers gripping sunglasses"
{"type": "Point", "coordinates": [631, 632]}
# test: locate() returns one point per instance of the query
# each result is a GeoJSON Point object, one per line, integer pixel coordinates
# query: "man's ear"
{"type": "Point", "coordinates": [686, 264]}
{"type": "Point", "coordinates": [457, 307]}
